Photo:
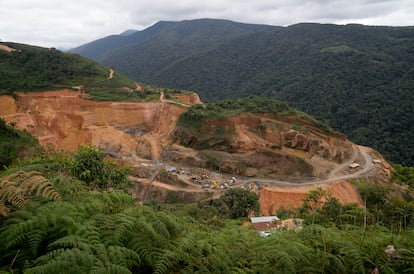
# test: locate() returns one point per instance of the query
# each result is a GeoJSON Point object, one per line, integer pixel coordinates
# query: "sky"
{"type": "Point", "coordinates": [65, 24]}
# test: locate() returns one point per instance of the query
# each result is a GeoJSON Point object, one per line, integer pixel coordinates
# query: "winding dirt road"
{"type": "Point", "coordinates": [366, 167]}
{"type": "Point", "coordinates": [341, 172]}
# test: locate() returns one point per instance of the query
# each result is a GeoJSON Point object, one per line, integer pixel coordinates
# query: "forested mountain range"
{"type": "Point", "coordinates": [358, 79]}
{"type": "Point", "coordinates": [186, 36]}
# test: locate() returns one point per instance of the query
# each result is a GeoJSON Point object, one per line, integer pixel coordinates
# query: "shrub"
{"type": "Point", "coordinates": [89, 166]}
{"type": "Point", "coordinates": [240, 202]}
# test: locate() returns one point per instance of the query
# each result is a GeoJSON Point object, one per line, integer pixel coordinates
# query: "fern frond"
{"type": "Point", "coordinates": [19, 187]}
{"type": "Point", "coordinates": [170, 223]}
{"type": "Point", "coordinates": [163, 262]}
{"type": "Point", "coordinates": [123, 256]}
{"type": "Point", "coordinates": [116, 198]}
{"type": "Point", "coordinates": [64, 261]}
{"type": "Point", "coordinates": [70, 241]}
{"type": "Point", "coordinates": [353, 255]}
{"type": "Point", "coordinates": [4, 210]}
{"type": "Point", "coordinates": [17, 234]}
{"type": "Point", "coordinates": [90, 232]}
{"type": "Point", "coordinates": [160, 228]}
{"type": "Point", "coordinates": [109, 269]}
{"type": "Point", "coordinates": [336, 263]}
{"type": "Point", "coordinates": [11, 194]}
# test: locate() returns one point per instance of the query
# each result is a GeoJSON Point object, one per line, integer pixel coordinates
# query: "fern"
{"type": "Point", "coordinates": [64, 261]}
{"type": "Point", "coordinates": [18, 188]}
{"type": "Point", "coordinates": [70, 241]}
{"type": "Point", "coordinates": [116, 269]}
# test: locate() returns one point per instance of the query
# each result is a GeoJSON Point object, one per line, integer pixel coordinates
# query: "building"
{"type": "Point", "coordinates": [265, 223]}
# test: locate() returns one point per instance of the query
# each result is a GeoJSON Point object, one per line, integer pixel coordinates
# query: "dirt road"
{"type": "Point", "coordinates": [162, 99]}
{"type": "Point", "coordinates": [366, 166]}
{"type": "Point", "coordinates": [111, 74]}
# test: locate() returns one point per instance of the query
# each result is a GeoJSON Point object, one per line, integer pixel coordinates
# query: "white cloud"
{"type": "Point", "coordinates": [62, 23]}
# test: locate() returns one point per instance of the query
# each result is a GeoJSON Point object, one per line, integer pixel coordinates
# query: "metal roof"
{"type": "Point", "coordinates": [264, 219]}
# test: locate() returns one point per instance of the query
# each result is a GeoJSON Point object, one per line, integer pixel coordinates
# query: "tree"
{"type": "Point", "coordinates": [240, 202]}
{"type": "Point", "coordinates": [375, 197]}
{"type": "Point", "coordinates": [89, 166]}
{"type": "Point", "coordinates": [314, 201]}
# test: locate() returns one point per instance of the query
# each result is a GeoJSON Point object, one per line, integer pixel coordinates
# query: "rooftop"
{"type": "Point", "coordinates": [264, 219]}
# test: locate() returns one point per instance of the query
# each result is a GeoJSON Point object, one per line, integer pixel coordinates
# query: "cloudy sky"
{"type": "Point", "coordinates": [68, 23]}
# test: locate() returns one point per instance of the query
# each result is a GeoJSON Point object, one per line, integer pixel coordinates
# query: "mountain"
{"type": "Point", "coordinates": [181, 37]}
{"type": "Point", "coordinates": [28, 68]}
{"type": "Point", "coordinates": [142, 123]}
{"type": "Point", "coordinates": [97, 49]}
{"type": "Point", "coordinates": [356, 78]}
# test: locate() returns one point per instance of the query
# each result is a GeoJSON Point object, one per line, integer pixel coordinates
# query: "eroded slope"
{"type": "Point", "coordinates": [65, 120]}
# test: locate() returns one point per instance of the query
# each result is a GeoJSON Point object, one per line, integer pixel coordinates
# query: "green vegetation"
{"type": "Point", "coordinates": [196, 116]}
{"type": "Point", "coordinates": [55, 217]}
{"type": "Point", "coordinates": [403, 175]}
{"type": "Point", "coordinates": [14, 144]}
{"type": "Point", "coordinates": [90, 167]}
{"type": "Point", "coordinates": [233, 107]}
{"type": "Point", "coordinates": [382, 208]}
{"type": "Point", "coordinates": [358, 79]}
{"type": "Point", "coordinates": [241, 202]}
{"type": "Point", "coordinates": [30, 68]}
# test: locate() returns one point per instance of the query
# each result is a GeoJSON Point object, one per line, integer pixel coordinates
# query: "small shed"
{"type": "Point", "coordinates": [265, 223]}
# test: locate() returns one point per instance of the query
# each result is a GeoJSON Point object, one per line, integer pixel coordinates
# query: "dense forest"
{"type": "Point", "coordinates": [190, 36]}
{"type": "Point", "coordinates": [30, 68]}
{"type": "Point", "coordinates": [358, 79]}
{"type": "Point", "coordinates": [62, 213]}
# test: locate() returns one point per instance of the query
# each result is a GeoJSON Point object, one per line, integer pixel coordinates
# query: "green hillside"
{"type": "Point", "coordinates": [96, 50]}
{"type": "Point", "coordinates": [15, 144]}
{"type": "Point", "coordinates": [356, 78]}
{"type": "Point", "coordinates": [174, 43]}
{"type": "Point", "coordinates": [30, 68]}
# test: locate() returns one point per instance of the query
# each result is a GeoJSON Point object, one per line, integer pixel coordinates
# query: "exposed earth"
{"type": "Point", "coordinates": [281, 162]}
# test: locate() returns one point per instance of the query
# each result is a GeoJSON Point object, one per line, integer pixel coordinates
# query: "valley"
{"type": "Point", "coordinates": [143, 136]}
{"type": "Point", "coordinates": [356, 78]}
{"type": "Point", "coordinates": [99, 173]}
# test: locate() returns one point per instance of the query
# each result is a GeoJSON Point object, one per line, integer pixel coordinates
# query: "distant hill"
{"type": "Point", "coordinates": [358, 79]}
{"type": "Point", "coordinates": [31, 68]}
{"type": "Point", "coordinates": [181, 37]}
{"type": "Point", "coordinates": [97, 49]}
